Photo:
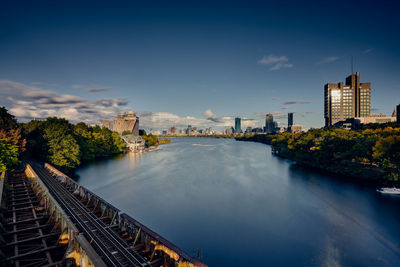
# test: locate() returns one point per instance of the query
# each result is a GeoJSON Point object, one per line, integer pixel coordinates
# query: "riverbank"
{"type": "Point", "coordinates": [369, 155]}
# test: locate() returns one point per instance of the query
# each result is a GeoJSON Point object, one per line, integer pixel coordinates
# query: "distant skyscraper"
{"type": "Point", "coordinates": [290, 121]}
{"type": "Point", "coordinates": [238, 127]}
{"type": "Point", "coordinates": [398, 113]}
{"type": "Point", "coordinates": [350, 100]}
{"type": "Point", "coordinates": [172, 130]}
{"type": "Point", "coordinates": [269, 123]}
{"type": "Point", "coordinates": [189, 129]}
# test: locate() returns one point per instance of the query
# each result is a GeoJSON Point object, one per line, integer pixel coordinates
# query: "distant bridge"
{"type": "Point", "coordinates": [48, 219]}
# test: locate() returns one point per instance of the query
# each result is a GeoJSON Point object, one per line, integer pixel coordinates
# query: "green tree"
{"type": "Point", "coordinates": [7, 121]}
{"type": "Point", "coordinates": [387, 152]}
{"type": "Point", "coordinates": [11, 146]}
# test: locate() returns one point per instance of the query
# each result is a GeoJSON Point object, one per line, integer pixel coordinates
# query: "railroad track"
{"type": "Point", "coordinates": [113, 250]}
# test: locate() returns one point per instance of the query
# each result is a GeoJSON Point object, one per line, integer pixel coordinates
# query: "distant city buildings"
{"type": "Point", "coordinates": [346, 100]}
{"type": "Point", "coordinates": [269, 123]}
{"type": "Point", "coordinates": [189, 130]}
{"type": "Point", "coordinates": [172, 130]}
{"type": "Point", "coordinates": [128, 122]}
{"type": "Point", "coordinates": [238, 127]}
{"type": "Point", "coordinates": [398, 113]}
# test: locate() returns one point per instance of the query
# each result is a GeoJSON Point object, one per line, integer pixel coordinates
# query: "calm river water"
{"type": "Point", "coordinates": [243, 206]}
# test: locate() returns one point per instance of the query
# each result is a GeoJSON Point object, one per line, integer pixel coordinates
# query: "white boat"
{"type": "Point", "coordinates": [389, 190]}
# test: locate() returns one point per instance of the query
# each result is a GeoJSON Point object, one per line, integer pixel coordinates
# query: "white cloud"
{"type": "Point", "coordinates": [211, 116]}
{"type": "Point", "coordinates": [327, 60]}
{"type": "Point", "coordinates": [28, 102]}
{"type": "Point", "coordinates": [275, 62]}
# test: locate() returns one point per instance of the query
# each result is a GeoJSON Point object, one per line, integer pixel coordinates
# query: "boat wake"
{"type": "Point", "coordinates": [201, 145]}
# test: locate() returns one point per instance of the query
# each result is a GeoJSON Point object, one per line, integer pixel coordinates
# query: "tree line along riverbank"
{"type": "Point", "coordinates": [57, 141]}
{"type": "Point", "coordinates": [369, 154]}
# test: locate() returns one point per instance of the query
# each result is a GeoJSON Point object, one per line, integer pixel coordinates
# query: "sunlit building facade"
{"type": "Point", "coordinates": [346, 100]}
{"type": "Point", "coordinates": [127, 123]}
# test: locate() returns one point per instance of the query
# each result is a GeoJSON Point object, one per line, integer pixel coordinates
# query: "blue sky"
{"type": "Point", "coordinates": [193, 62]}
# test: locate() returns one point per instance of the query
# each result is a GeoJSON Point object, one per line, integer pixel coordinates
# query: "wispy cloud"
{"type": "Point", "coordinates": [37, 83]}
{"type": "Point", "coordinates": [327, 60]}
{"type": "Point", "coordinates": [98, 89]}
{"type": "Point", "coordinates": [367, 51]}
{"type": "Point", "coordinates": [292, 102]}
{"type": "Point", "coordinates": [43, 84]}
{"type": "Point", "coordinates": [275, 62]}
{"type": "Point", "coordinates": [91, 89]}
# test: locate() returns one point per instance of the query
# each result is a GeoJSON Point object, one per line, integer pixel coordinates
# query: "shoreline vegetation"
{"type": "Point", "coordinates": [59, 142]}
{"type": "Point", "coordinates": [371, 154]}
{"type": "Point", "coordinates": [152, 140]}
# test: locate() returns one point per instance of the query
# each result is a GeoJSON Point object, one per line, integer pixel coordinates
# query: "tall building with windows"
{"type": "Point", "coordinates": [346, 100]}
{"type": "Point", "coordinates": [290, 121]}
{"type": "Point", "coordinates": [269, 123]}
{"type": "Point", "coordinates": [238, 126]}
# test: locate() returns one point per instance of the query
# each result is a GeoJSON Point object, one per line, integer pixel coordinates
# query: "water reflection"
{"type": "Point", "coordinates": [245, 207]}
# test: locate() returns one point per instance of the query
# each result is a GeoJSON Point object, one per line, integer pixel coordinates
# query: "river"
{"type": "Point", "coordinates": [242, 206]}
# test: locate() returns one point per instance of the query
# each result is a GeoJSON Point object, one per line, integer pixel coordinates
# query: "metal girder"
{"type": "Point", "coordinates": [30, 253]}
{"type": "Point", "coordinates": [31, 239]}
{"type": "Point", "coordinates": [25, 221]}
{"type": "Point", "coordinates": [29, 229]}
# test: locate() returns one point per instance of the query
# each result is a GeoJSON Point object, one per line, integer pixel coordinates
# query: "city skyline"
{"type": "Point", "coordinates": [192, 64]}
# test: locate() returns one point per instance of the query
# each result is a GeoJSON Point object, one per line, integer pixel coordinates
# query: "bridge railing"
{"type": "Point", "coordinates": [88, 196]}
{"type": "Point", "coordinates": [138, 231]}
{"type": "Point", "coordinates": [3, 181]}
{"type": "Point", "coordinates": [157, 242]}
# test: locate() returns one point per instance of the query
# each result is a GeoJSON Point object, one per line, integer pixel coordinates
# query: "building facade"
{"type": "Point", "coordinates": [238, 126]}
{"type": "Point", "coordinates": [346, 100]}
{"type": "Point", "coordinates": [290, 121]}
{"type": "Point", "coordinates": [128, 122]}
{"type": "Point", "coordinates": [296, 128]}
{"type": "Point", "coordinates": [269, 123]}
{"type": "Point", "coordinates": [398, 113]}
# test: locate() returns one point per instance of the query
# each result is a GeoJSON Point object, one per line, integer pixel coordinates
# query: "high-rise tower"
{"type": "Point", "coordinates": [349, 100]}
{"type": "Point", "coordinates": [290, 121]}
{"type": "Point", "coordinates": [269, 123]}
{"type": "Point", "coordinates": [238, 127]}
